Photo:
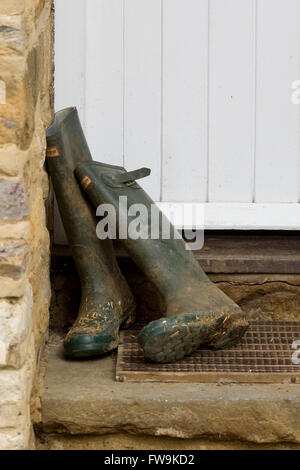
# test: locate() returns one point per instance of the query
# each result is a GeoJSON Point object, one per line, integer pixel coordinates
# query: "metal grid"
{"type": "Point", "coordinates": [264, 355]}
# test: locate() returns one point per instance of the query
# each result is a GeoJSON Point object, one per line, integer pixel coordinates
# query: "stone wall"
{"type": "Point", "coordinates": [26, 97]}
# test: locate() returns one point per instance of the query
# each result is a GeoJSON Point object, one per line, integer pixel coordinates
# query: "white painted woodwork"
{"type": "Point", "coordinates": [185, 100]}
{"type": "Point", "coordinates": [142, 90]}
{"type": "Point", "coordinates": [277, 119]}
{"type": "Point", "coordinates": [231, 100]}
{"type": "Point", "coordinates": [200, 91]}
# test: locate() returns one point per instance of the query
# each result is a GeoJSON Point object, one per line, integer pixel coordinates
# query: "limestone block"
{"type": "Point", "coordinates": [45, 41]}
{"type": "Point", "coordinates": [38, 6]}
{"type": "Point", "coordinates": [39, 261]}
{"type": "Point", "coordinates": [13, 258]}
{"type": "Point", "coordinates": [15, 390]}
{"type": "Point", "coordinates": [15, 439]}
{"type": "Point", "coordinates": [13, 414]}
{"type": "Point", "coordinates": [35, 176]}
{"type": "Point", "coordinates": [11, 7]}
{"type": "Point", "coordinates": [15, 231]}
{"type": "Point", "coordinates": [25, 74]}
{"type": "Point", "coordinates": [12, 287]}
{"type": "Point", "coordinates": [12, 160]}
{"type": "Point", "coordinates": [21, 81]}
{"type": "Point", "coordinates": [12, 38]}
{"type": "Point", "coordinates": [15, 330]}
{"type": "Point", "coordinates": [13, 200]}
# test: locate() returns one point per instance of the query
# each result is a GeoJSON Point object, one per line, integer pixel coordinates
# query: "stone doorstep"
{"type": "Point", "coordinates": [125, 441]}
{"type": "Point", "coordinates": [225, 253]}
{"type": "Point", "coordinates": [82, 398]}
{"type": "Point", "coordinates": [82, 402]}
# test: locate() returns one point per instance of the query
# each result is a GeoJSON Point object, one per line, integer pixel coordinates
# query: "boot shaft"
{"type": "Point", "coordinates": [167, 262]}
{"type": "Point", "coordinates": [66, 148]}
{"type": "Point", "coordinates": [106, 301]}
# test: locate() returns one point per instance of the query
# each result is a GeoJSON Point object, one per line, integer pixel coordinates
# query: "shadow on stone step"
{"type": "Point", "coordinates": [66, 295]}
{"type": "Point", "coordinates": [261, 296]}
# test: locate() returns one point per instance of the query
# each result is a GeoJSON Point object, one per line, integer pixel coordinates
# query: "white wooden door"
{"type": "Point", "coordinates": [203, 92]}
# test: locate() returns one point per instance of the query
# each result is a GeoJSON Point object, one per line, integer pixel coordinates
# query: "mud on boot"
{"type": "Point", "coordinates": [204, 317]}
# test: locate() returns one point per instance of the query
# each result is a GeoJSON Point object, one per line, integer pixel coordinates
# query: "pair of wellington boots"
{"type": "Point", "coordinates": [197, 312]}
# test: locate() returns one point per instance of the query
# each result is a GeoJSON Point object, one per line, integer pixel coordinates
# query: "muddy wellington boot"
{"type": "Point", "coordinates": [106, 300]}
{"type": "Point", "coordinates": [197, 313]}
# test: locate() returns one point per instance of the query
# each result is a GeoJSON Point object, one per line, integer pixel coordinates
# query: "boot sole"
{"type": "Point", "coordinates": [87, 350]}
{"type": "Point", "coordinates": [93, 348]}
{"type": "Point", "coordinates": [171, 339]}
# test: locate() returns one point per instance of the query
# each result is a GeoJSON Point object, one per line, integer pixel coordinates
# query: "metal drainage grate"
{"type": "Point", "coordinates": [267, 354]}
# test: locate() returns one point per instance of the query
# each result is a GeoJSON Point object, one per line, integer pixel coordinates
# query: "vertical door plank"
{"type": "Point", "coordinates": [232, 100]}
{"type": "Point", "coordinates": [69, 71]}
{"type": "Point", "coordinates": [184, 126]}
{"type": "Point", "coordinates": [278, 123]}
{"type": "Point", "coordinates": [104, 80]}
{"type": "Point", "coordinates": [142, 90]}
{"type": "Point", "coordinates": [70, 55]}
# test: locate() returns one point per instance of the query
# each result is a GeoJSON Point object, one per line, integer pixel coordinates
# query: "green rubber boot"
{"type": "Point", "coordinates": [106, 300]}
{"type": "Point", "coordinates": [197, 313]}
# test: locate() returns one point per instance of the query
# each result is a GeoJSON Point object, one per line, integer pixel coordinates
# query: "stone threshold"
{"type": "Point", "coordinates": [226, 252]}
{"type": "Point", "coordinates": [125, 441]}
{"type": "Point", "coordinates": [82, 398]}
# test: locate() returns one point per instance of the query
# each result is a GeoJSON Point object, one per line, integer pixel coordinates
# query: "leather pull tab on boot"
{"type": "Point", "coordinates": [131, 176]}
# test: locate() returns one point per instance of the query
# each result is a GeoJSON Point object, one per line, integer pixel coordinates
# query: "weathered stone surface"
{"type": "Point", "coordinates": [15, 330]}
{"type": "Point", "coordinates": [15, 439]}
{"type": "Point", "coordinates": [12, 37]}
{"type": "Point", "coordinates": [12, 161]}
{"type": "Point", "coordinates": [15, 231]}
{"type": "Point", "coordinates": [15, 390]}
{"type": "Point", "coordinates": [11, 66]}
{"type": "Point", "coordinates": [11, 7]}
{"type": "Point", "coordinates": [13, 414]}
{"type": "Point", "coordinates": [39, 266]}
{"type": "Point", "coordinates": [13, 258]}
{"type": "Point", "coordinates": [13, 200]}
{"type": "Point", "coordinates": [26, 95]}
{"type": "Point", "coordinates": [46, 63]}
{"type": "Point", "coordinates": [16, 123]}
{"type": "Point", "coordinates": [12, 288]}
{"type": "Point", "coordinates": [87, 400]}
{"type": "Point", "coordinates": [271, 297]}
{"type": "Point", "coordinates": [123, 441]}
{"type": "Point", "coordinates": [22, 91]}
